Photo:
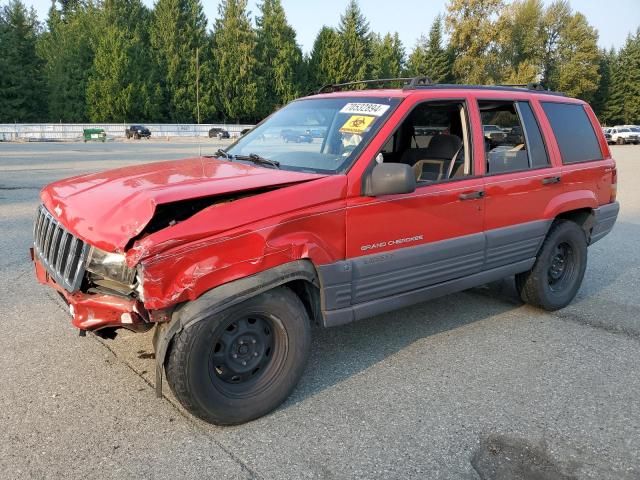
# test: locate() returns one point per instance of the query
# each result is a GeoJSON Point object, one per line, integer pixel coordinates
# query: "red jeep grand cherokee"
{"type": "Point", "coordinates": [399, 198]}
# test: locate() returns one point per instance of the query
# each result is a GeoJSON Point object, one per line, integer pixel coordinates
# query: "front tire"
{"type": "Point", "coordinates": [620, 141]}
{"type": "Point", "coordinates": [557, 274]}
{"type": "Point", "coordinates": [242, 363]}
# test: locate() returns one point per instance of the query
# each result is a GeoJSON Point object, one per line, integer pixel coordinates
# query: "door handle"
{"type": "Point", "coordinates": [550, 180]}
{"type": "Point", "coordinates": [471, 195]}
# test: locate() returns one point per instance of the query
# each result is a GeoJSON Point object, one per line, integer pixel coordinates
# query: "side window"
{"type": "Point", "coordinates": [434, 141]}
{"type": "Point", "coordinates": [512, 137]}
{"type": "Point", "coordinates": [537, 152]}
{"type": "Point", "coordinates": [573, 131]}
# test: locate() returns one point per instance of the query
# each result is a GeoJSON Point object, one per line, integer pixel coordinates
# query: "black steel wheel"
{"type": "Point", "coordinates": [247, 350]}
{"type": "Point", "coordinates": [242, 363]}
{"type": "Point", "coordinates": [563, 268]}
{"type": "Point", "coordinates": [557, 274]}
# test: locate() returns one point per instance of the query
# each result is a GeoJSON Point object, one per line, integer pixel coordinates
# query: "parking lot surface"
{"type": "Point", "coordinates": [470, 386]}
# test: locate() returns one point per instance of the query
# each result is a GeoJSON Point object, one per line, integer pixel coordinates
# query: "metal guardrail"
{"type": "Point", "coordinates": [73, 131]}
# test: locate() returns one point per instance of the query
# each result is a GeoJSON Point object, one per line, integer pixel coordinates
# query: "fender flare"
{"type": "Point", "coordinates": [568, 201]}
{"type": "Point", "coordinates": [221, 298]}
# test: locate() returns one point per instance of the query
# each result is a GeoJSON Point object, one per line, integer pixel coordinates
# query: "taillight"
{"type": "Point", "coordinates": [614, 184]}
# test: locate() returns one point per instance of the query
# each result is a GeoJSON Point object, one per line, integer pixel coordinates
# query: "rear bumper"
{"type": "Point", "coordinates": [604, 218]}
{"type": "Point", "coordinates": [97, 311]}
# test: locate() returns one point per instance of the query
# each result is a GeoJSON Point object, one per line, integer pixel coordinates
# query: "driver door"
{"type": "Point", "coordinates": [406, 242]}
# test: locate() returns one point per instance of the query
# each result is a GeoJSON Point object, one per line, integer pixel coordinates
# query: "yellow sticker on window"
{"type": "Point", "coordinates": [357, 124]}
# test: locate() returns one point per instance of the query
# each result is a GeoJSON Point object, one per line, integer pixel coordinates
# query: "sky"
{"type": "Point", "coordinates": [412, 18]}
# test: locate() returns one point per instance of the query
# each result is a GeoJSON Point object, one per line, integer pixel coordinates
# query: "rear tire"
{"type": "Point", "coordinates": [242, 363]}
{"type": "Point", "coordinates": [620, 141]}
{"type": "Point", "coordinates": [556, 276]}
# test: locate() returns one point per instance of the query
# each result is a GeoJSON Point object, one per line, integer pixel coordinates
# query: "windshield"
{"type": "Point", "coordinates": [322, 135]}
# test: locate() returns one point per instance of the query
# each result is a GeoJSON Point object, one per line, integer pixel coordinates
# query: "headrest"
{"type": "Point", "coordinates": [444, 146]}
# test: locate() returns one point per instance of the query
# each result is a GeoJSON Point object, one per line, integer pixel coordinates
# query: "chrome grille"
{"type": "Point", "coordinates": [61, 253]}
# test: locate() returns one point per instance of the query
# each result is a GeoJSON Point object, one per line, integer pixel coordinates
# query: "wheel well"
{"type": "Point", "coordinates": [309, 294]}
{"type": "Point", "coordinates": [581, 216]}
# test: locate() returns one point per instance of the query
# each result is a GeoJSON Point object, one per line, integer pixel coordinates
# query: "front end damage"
{"type": "Point", "coordinates": [101, 290]}
{"type": "Point", "coordinates": [172, 231]}
{"type": "Point", "coordinates": [110, 290]}
{"type": "Point", "coordinates": [98, 312]}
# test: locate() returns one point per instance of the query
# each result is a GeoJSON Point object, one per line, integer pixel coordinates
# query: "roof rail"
{"type": "Point", "coordinates": [529, 86]}
{"type": "Point", "coordinates": [533, 86]}
{"type": "Point", "coordinates": [420, 82]}
{"type": "Point", "coordinates": [409, 82]}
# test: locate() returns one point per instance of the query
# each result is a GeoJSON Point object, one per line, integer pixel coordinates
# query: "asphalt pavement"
{"type": "Point", "coordinates": [470, 386]}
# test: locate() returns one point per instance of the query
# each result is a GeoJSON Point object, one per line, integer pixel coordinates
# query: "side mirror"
{"type": "Point", "coordinates": [390, 179]}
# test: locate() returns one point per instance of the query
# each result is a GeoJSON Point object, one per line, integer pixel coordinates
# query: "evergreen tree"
{"type": "Point", "coordinates": [121, 85]}
{"type": "Point", "coordinates": [323, 63]}
{"type": "Point", "coordinates": [387, 59]}
{"type": "Point", "coordinates": [279, 57]}
{"type": "Point", "coordinates": [354, 54]}
{"type": "Point", "coordinates": [429, 57]}
{"type": "Point", "coordinates": [624, 102]}
{"type": "Point", "coordinates": [602, 94]}
{"type": "Point", "coordinates": [180, 51]}
{"type": "Point", "coordinates": [68, 50]}
{"type": "Point", "coordinates": [22, 84]}
{"type": "Point", "coordinates": [234, 54]}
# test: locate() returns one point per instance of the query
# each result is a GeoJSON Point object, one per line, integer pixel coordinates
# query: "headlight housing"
{"type": "Point", "coordinates": [112, 266]}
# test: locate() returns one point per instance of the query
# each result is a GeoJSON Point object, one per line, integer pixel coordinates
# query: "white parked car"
{"type": "Point", "coordinates": [622, 135]}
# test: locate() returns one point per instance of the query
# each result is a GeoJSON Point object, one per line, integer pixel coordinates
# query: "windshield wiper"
{"type": "Point", "coordinates": [257, 159]}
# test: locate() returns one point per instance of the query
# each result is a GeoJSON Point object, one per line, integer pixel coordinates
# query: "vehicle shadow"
{"type": "Point", "coordinates": [342, 352]}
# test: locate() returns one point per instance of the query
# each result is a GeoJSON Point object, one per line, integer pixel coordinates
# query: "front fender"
{"type": "Point", "coordinates": [223, 297]}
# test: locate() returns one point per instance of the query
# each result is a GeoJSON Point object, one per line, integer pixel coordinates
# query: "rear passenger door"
{"type": "Point", "coordinates": [520, 181]}
{"type": "Point", "coordinates": [585, 169]}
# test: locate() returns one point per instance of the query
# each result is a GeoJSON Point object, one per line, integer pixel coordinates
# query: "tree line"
{"type": "Point", "coordinates": [119, 61]}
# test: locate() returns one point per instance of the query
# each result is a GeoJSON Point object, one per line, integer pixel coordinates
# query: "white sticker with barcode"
{"type": "Point", "coordinates": [376, 109]}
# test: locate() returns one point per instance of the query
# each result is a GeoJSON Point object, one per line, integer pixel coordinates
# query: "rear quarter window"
{"type": "Point", "coordinates": [573, 131]}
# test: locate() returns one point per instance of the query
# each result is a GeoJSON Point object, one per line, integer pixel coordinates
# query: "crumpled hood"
{"type": "Point", "coordinates": [109, 208]}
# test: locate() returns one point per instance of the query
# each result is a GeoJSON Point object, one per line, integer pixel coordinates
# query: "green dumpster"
{"type": "Point", "coordinates": [97, 134]}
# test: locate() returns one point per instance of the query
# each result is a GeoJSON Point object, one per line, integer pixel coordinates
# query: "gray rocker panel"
{"type": "Point", "coordinates": [394, 277]}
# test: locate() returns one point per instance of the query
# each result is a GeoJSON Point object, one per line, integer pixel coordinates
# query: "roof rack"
{"type": "Point", "coordinates": [409, 82]}
{"type": "Point", "coordinates": [412, 83]}
{"type": "Point", "coordinates": [529, 86]}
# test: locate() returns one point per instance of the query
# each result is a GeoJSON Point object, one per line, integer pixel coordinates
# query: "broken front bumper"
{"type": "Point", "coordinates": [96, 311]}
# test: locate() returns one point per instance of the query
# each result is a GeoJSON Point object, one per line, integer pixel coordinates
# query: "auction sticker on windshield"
{"type": "Point", "coordinates": [357, 124]}
{"type": "Point", "coordinates": [376, 109]}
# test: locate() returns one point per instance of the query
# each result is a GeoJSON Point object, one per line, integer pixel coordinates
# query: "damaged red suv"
{"type": "Point", "coordinates": [399, 197]}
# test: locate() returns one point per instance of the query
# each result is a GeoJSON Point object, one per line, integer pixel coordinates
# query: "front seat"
{"type": "Point", "coordinates": [431, 163]}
